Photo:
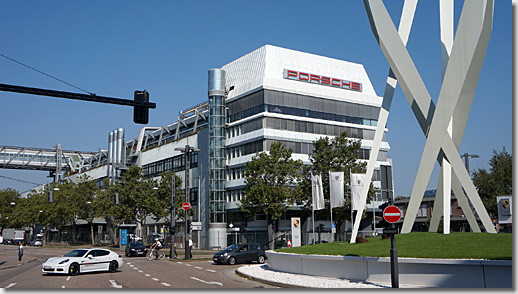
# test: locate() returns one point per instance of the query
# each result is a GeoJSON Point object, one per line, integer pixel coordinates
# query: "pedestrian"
{"type": "Point", "coordinates": [190, 247]}
{"type": "Point", "coordinates": [20, 253]}
{"type": "Point", "coordinates": [175, 253]}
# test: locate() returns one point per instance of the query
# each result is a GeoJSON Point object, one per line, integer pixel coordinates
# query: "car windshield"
{"type": "Point", "coordinates": [76, 253]}
{"type": "Point", "coordinates": [232, 248]}
{"type": "Point", "coordinates": [136, 243]}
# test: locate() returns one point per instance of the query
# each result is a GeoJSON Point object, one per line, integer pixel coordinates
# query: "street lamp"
{"type": "Point", "coordinates": [466, 159]}
{"type": "Point", "coordinates": [187, 151]}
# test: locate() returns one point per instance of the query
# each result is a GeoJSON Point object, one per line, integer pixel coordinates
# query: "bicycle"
{"type": "Point", "coordinates": [151, 255]}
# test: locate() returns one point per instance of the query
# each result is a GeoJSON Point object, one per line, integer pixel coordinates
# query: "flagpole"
{"type": "Point", "coordinates": [351, 195]}
{"type": "Point", "coordinates": [313, 208]}
{"type": "Point", "coordinates": [331, 207]}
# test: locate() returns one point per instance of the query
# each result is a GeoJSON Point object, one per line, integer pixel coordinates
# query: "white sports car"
{"type": "Point", "coordinates": [83, 260]}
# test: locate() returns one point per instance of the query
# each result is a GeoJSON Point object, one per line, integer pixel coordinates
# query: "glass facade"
{"type": "Point", "coordinates": [217, 158]}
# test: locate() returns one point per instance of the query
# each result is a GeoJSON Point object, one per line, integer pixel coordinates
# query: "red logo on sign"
{"type": "Point", "coordinates": [321, 80]}
{"type": "Point", "coordinates": [186, 206]}
{"type": "Point", "coordinates": [392, 214]}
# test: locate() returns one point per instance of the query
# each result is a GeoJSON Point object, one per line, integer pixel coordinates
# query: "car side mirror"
{"type": "Point", "coordinates": [89, 257]}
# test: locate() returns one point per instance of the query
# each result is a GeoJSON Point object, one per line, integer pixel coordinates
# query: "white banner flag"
{"type": "Point", "coordinates": [318, 192]}
{"type": "Point", "coordinates": [336, 189]}
{"type": "Point", "coordinates": [356, 190]}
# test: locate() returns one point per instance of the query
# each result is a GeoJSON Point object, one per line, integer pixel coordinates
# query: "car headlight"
{"type": "Point", "coordinates": [64, 261]}
{"type": "Point", "coordinates": [225, 254]}
{"type": "Point", "coordinates": [132, 249]}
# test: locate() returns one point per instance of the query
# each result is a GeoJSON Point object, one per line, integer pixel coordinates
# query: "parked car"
{"type": "Point", "coordinates": [8, 241]}
{"type": "Point", "coordinates": [136, 248]}
{"type": "Point", "coordinates": [237, 253]}
{"type": "Point", "coordinates": [83, 260]}
{"type": "Point", "coordinates": [37, 243]}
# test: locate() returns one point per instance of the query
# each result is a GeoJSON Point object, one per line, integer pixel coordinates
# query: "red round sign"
{"type": "Point", "coordinates": [186, 206]}
{"type": "Point", "coordinates": [392, 214]}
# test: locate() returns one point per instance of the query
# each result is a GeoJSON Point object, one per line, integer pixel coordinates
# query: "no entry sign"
{"type": "Point", "coordinates": [392, 214]}
{"type": "Point", "coordinates": [186, 206]}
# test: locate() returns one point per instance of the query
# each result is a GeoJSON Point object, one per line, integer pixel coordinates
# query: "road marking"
{"type": "Point", "coordinates": [180, 262]}
{"type": "Point", "coordinates": [188, 264]}
{"type": "Point", "coordinates": [155, 279]}
{"type": "Point", "coordinates": [147, 275]}
{"type": "Point", "coordinates": [166, 284]}
{"type": "Point", "coordinates": [213, 283]}
{"type": "Point", "coordinates": [10, 285]}
{"type": "Point", "coordinates": [212, 271]}
{"type": "Point", "coordinates": [135, 268]}
{"type": "Point", "coordinates": [63, 286]}
{"type": "Point", "coordinates": [198, 267]}
{"type": "Point", "coordinates": [140, 271]}
{"type": "Point", "coordinates": [114, 284]}
{"type": "Point", "coordinates": [68, 278]}
{"type": "Point", "coordinates": [128, 262]}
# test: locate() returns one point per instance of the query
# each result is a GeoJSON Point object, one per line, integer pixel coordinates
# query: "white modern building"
{"type": "Point", "coordinates": [271, 94]}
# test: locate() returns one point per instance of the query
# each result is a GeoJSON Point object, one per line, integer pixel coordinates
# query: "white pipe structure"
{"type": "Point", "coordinates": [460, 80]}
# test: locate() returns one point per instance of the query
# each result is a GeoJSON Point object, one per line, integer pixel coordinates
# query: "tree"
{"type": "Point", "coordinates": [495, 182]}
{"type": "Point", "coordinates": [334, 154]}
{"type": "Point", "coordinates": [271, 180]}
{"type": "Point", "coordinates": [137, 198]}
{"type": "Point", "coordinates": [8, 196]}
{"type": "Point", "coordinates": [164, 197]}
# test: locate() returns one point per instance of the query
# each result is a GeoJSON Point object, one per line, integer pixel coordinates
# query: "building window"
{"type": "Point", "coordinates": [422, 212]}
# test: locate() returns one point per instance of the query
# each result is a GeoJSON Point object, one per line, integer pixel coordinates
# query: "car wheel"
{"type": "Point", "coordinates": [73, 269]}
{"type": "Point", "coordinates": [232, 260]}
{"type": "Point", "coordinates": [260, 259]}
{"type": "Point", "coordinates": [113, 266]}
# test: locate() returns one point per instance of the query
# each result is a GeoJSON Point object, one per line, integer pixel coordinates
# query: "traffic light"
{"type": "Point", "coordinates": [50, 196]}
{"type": "Point", "coordinates": [189, 225]}
{"type": "Point", "coordinates": [141, 114]}
{"type": "Point", "coordinates": [320, 228]}
{"type": "Point", "coordinates": [243, 227]}
{"type": "Point", "coordinates": [194, 196]}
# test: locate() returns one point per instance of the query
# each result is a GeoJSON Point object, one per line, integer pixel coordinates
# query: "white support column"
{"type": "Point", "coordinates": [405, 24]}
{"type": "Point", "coordinates": [460, 80]}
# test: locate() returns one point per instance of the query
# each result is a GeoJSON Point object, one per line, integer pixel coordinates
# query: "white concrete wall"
{"type": "Point", "coordinates": [444, 273]}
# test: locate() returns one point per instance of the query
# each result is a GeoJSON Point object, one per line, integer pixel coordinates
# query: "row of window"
{"type": "Point", "coordinates": [296, 147]}
{"type": "Point", "coordinates": [302, 113]}
{"type": "Point", "coordinates": [28, 157]}
{"type": "Point", "coordinates": [175, 164]}
{"type": "Point", "coordinates": [300, 126]}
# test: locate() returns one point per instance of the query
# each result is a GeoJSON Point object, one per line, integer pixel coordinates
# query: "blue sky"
{"type": "Point", "coordinates": [113, 48]}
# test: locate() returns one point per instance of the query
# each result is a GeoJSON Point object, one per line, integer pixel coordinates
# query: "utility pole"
{"type": "Point", "coordinates": [187, 151]}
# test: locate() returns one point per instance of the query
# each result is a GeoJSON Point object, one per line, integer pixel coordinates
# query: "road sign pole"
{"type": "Point", "coordinates": [394, 272]}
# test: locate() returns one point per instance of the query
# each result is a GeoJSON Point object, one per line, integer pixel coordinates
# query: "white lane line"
{"type": "Point", "coordinates": [180, 262]}
{"type": "Point", "coordinates": [114, 284]}
{"type": "Point", "coordinates": [68, 279]}
{"type": "Point", "coordinates": [135, 268]}
{"type": "Point", "coordinates": [166, 284]}
{"type": "Point", "coordinates": [198, 267]}
{"type": "Point", "coordinates": [10, 285]}
{"type": "Point", "coordinates": [140, 271]}
{"type": "Point", "coordinates": [212, 271]}
{"type": "Point", "coordinates": [210, 283]}
{"type": "Point", "coordinates": [128, 262]}
{"type": "Point", "coordinates": [155, 279]}
{"type": "Point", "coordinates": [188, 264]}
{"type": "Point", "coordinates": [63, 286]}
{"type": "Point", "coordinates": [147, 275]}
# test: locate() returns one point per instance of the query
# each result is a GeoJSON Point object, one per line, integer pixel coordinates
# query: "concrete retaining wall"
{"type": "Point", "coordinates": [446, 273]}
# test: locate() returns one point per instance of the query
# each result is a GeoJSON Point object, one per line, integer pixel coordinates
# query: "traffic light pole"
{"type": "Point", "coordinates": [173, 214]}
{"type": "Point", "coordinates": [394, 272]}
{"type": "Point", "coordinates": [187, 199]}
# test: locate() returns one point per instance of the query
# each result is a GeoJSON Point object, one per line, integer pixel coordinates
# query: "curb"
{"type": "Point", "coordinates": [268, 282]}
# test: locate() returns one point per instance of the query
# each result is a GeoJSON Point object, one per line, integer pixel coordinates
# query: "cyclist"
{"type": "Point", "coordinates": [157, 245]}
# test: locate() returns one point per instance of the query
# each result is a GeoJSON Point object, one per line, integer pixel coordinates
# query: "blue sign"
{"type": "Point", "coordinates": [124, 237]}
{"type": "Point", "coordinates": [333, 226]}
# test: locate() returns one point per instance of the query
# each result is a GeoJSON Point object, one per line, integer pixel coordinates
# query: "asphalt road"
{"type": "Point", "coordinates": [136, 273]}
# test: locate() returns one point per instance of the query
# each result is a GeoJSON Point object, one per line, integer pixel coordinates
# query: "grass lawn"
{"type": "Point", "coordinates": [421, 245]}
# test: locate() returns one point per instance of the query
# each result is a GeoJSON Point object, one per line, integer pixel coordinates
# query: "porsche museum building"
{"type": "Point", "coordinates": [270, 94]}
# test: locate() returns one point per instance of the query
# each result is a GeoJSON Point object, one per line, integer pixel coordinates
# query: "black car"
{"type": "Point", "coordinates": [136, 248]}
{"type": "Point", "coordinates": [236, 253]}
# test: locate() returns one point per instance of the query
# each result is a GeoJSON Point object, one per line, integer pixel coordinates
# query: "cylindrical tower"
{"type": "Point", "coordinates": [217, 113]}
